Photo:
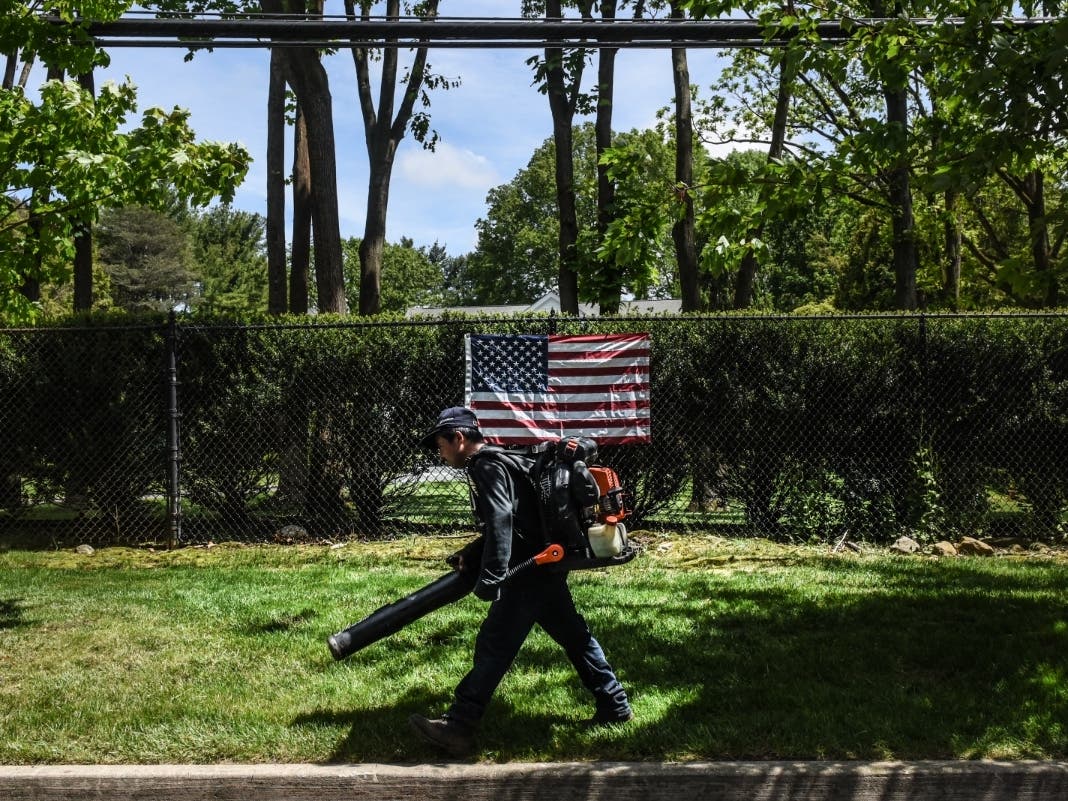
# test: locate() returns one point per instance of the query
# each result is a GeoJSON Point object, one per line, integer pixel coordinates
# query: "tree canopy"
{"type": "Point", "coordinates": [147, 257]}
{"type": "Point", "coordinates": [516, 257]}
{"type": "Point", "coordinates": [909, 131]}
{"type": "Point", "coordinates": [917, 161]}
{"type": "Point", "coordinates": [68, 154]}
{"type": "Point", "coordinates": [411, 276]}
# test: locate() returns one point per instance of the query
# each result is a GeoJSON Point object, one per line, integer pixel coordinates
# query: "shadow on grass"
{"type": "Point", "coordinates": [900, 661]}
{"type": "Point", "coordinates": [283, 622]}
{"type": "Point", "coordinates": [378, 733]}
{"type": "Point", "coordinates": [11, 616]}
{"type": "Point", "coordinates": [868, 661]}
{"type": "Point", "coordinates": [861, 660]}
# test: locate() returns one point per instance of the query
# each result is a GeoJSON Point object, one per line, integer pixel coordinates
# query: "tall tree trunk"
{"type": "Point", "coordinates": [373, 244]}
{"type": "Point", "coordinates": [288, 292]}
{"type": "Point", "coordinates": [83, 266]}
{"type": "Point", "coordinates": [1035, 188]}
{"type": "Point", "coordinates": [313, 94]}
{"type": "Point", "coordinates": [1031, 192]}
{"type": "Point", "coordinates": [610, 292]}
{"type": "Point", "coordinates": [11, 67]}
{"type": "Point", "coordinates": [683, 231]}
{"type": "Point", "coordinates": [900, 203]}
{"type": "Point", "coordinates": [562, 99]}
{"type": "Point", "coordinates": [567, 241]}
{"type": "Point", "coordinates": [900, 196]}
{"type": "Point", "coordinates": [27, 68]}
{"type": "Point", "coordinates": [10, 64]}
{"type": "Point", "coordinates": [383, 132]}
{"type": "Point", "coordinates": [277, 301]}
{"type": "Point", "coordinates": [312, 87]}
{"type": "Point", "coordinates": [952, 244]}
{"type": "Point", "coordinates": [31, 283]}
{"type": "Point", "coordinates": [303, 204]}
{"type": "Point", "coordinates": [747, 272]}
{"type": "Point", "coordinates": [898, 186]}
{"type": "Point", "coordinates": [952, 239]}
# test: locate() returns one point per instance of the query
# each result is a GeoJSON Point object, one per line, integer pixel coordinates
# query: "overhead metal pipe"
{"type": "Point", "coordinates": [265, 31]}
{"type": "Point", "coordinates": [414, 31]}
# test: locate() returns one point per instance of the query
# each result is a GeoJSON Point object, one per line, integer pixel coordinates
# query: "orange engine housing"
{"type": "Point", "coordinates": [611, 507]}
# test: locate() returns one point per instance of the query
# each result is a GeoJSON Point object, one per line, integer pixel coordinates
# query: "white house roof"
{"type": "Point", "coordinates": [549, 302]}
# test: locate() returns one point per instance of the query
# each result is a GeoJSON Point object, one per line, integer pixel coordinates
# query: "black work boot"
{"type": "Point", "coordinates": [606, 718]}
{"type": "Point", "coordinates": [453, 738]}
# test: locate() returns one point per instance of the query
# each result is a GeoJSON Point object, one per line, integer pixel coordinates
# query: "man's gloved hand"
{"type": "Point", "coordinates": [467, 558]}
{"type": "Point", "coordinates": [487, 592]}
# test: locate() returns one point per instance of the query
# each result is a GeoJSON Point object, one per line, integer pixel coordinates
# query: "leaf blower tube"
{"type": "Point", "coordinates": [448, 589]}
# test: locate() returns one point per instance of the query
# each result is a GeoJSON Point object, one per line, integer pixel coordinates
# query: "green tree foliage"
{"type": "Point", "coordinates": [454, 287]}
{"type": "Point", "coordinates": [976, 110]}
{"type": "Point", "coordinates": [68, 154]}
{"type": "Point", "coordinates": [796, 247]}
{"type": "Point", "coordinates": [801, 274]}
{"type": "Point", "coordinates": [998, 123]}
{"type": "Point", "coordinates": [835, 142]}
{"type": "Point", "coordinates": [517, 254]}
{"type": "Point", "coordinates": [635, 253]}
{"type": "Point", "coordinates": [410, 277]}
{"type": "Point", "coordinates": [147, 257]}
{"type": "Point", "coordinates": [230, 259]}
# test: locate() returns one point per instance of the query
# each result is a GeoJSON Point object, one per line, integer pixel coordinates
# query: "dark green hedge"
{"type": "Point", "coordinates": [783, 427]}
{"type": "Point", "coordinates": [81, 425]}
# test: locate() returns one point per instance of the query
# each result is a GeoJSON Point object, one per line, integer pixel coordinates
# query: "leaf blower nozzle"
{"type": "Point", "coordinates": [391, 618]}
{"type": "Point", "coordinates": [448, 589]}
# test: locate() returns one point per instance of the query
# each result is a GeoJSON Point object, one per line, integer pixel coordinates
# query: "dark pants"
{"type": "Point", "coordinates": [546, 601]}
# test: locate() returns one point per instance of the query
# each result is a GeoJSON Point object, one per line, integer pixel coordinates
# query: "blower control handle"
{"type": "Point", "coordinates": [554, 553]}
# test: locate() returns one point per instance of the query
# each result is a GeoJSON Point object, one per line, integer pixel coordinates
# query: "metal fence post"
{"type": "Point", "coordinates": [174, 453]}
{"type": "Point", "coordinates": [924, 386]}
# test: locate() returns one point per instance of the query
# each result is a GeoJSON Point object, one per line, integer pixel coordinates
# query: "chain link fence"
{"type": "Point", "coordinates": [784, 427]}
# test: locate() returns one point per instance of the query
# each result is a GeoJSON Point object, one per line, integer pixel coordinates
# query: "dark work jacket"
{"type": "Point", "coordinates": [506, 506]}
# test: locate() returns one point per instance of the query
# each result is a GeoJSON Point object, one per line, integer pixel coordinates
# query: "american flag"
{"type": "Point", "coordinates": [526, 389]}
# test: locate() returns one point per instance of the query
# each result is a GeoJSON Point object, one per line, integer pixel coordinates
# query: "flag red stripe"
{"type": "Point", "coordinates": [596, 339]}
{"type": "Point", "coordinates": [579, 422]}
{"type": "Point", "coordinates": [592, 355]}
{"type": "Point", "coordinates": [563, 406]}
{"type": "Point", "coordinates": [573, 389]}
{"type": "Point", "coordinates": [565, 394]}
{"type": "Point", "coordinates": [634, 439]}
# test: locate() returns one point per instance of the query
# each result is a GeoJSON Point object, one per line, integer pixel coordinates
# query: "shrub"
{"type": "Point", "coordinates": [802, 427]}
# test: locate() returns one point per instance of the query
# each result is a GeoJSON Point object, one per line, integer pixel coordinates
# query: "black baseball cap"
{"type": "Point", "coordinates": [451, 418]}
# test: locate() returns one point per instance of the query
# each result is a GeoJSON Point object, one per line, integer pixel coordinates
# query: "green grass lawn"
{"type": "Point", "coordinates": [730, 649]}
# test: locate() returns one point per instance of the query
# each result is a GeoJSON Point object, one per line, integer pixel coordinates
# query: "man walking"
{"type": "Point", "coordinates": [508, 514]}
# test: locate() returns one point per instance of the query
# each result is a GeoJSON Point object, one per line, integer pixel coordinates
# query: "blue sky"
{"type": "Point", "coordinates": [489, 126]}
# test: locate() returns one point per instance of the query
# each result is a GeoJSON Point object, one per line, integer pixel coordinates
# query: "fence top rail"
{"type": "Point", "coordinates": [543, 319]}
{"type": "Point", "coordinates": [82, 329]}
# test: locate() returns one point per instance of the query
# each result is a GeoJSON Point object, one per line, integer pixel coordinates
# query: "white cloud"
{"type": "Point", "coordinates": [448, 166]}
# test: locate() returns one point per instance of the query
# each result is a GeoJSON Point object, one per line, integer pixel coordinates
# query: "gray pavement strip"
{"type": "Point", "coordinates": [594, 781]}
